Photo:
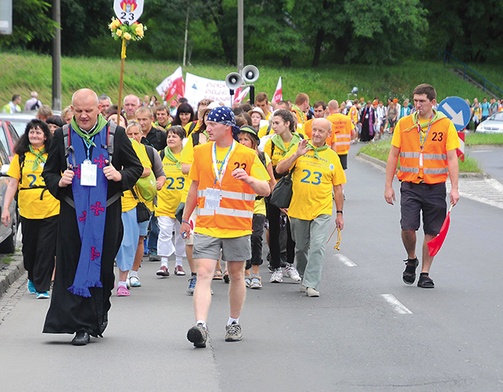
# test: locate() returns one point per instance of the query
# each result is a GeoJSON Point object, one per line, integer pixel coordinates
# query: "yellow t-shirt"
{"type": "Point", "coordinates": [257, 171]}
{"type": "Point", "coordinates": [34, 202]}
{"type": "Point", "coordinates": [278, 154]}
{"type": "Point", "coordinates": [170, 196]}
{"type": "Point", "coordinates": [128, 200]}
{"type": "Point", "coordinates": [259, 207]}
{"type": "Point", "coordinates": [313, 181]}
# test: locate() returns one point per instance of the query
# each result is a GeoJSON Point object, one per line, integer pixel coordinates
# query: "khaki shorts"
{"type": "Point", "coordinates": [233, 249]}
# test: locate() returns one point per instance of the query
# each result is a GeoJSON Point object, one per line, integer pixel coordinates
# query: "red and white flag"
{"type": "Point", "coordinates": [278, 94]}
{"type": "Point", "coordinates": [172, 85]}
{"type": "Point", "coordinates": [240, 94]}
{"type": "Point", "coordinates": [436, 243]}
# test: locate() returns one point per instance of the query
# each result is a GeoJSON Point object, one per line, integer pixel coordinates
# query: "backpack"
{"type": "Point", "coordinates": [146, 187]}
{"type": "Point", "coordinates": [36, 105]}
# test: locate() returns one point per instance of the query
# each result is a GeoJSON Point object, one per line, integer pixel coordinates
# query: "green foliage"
{"type": "Point", "coordinates": [31, 22]}
{"type": "Point", "coordinates": [477, 139]}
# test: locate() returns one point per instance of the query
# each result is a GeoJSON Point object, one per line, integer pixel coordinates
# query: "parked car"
{"type": "Point", "coordinates": [493, 124]}
{"type": "Point", "coordinates": [7, 234]}
{"type": "Point", "coordinates": [11, 126]}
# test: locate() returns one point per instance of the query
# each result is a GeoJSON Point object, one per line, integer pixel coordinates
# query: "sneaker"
{"type": "Point", "coordinates": [310, 292]}
{"type": "Point", "coordinates": [179, 271]}
{"type": "Point", "coordinates": [43, 295]}
{"type": "Point", "coordinates": [302, 288]}
{"type": "Point", "coordinates": [198, 335]}
{"type": "Point", "coordinates": [163, 271]}
{"type": "Point", "coordinates": [31, 287]}
{"type": "Point", "coordinates": [134, 281]}
{"type": "Point", "coordinates": [277, 276]}
{"type": "Point", "coordinates": [152, 256]}
{"type": "Point", "coordinates": [256, 282]}
{"type": "Point", "coordinates": [192, 285]}
{"type": "Point", "coordinates": [292, 273]}
{"type": "Point", "coordinates": [233, 332]}
{"type": "Point", "coordinates": [122, 291]}
{"type": "Point", "coordinates": [248, 281]}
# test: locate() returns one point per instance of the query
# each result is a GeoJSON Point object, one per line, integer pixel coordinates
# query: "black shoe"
{"type": "Point", "coordinates": [409, 275]}
{"type": "Point", "coordinates": [425, 281]}
{"type": "Point", "coordinates": [81, 338]}
{"type": "Point", "coordinates": [198, 335]}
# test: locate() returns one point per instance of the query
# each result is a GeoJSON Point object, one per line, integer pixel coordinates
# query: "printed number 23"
{"type": "Point", "coordinates": [170, 181]}
{"type": "Point", "coordinates": [306, 178]}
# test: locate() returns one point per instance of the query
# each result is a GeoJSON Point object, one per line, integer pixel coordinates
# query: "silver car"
{"type": "Point", "coordinates": [493, 124]}
{"type": "Point", "coordinates": [7, 234]}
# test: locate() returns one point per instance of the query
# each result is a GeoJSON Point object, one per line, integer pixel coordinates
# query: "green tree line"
{"type": "Point", "coordinates": [278, 33]}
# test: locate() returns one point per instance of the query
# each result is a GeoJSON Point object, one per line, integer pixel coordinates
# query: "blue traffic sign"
{"type": "Point", "coordinates": [457, 110]}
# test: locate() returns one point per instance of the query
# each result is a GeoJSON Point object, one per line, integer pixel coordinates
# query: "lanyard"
{"type": "Point", "coordinates": [422, 138]}
{"type": "Point", "coordinates": [89, 143]}
{"type": "Point", "coordinates": [219, 173]}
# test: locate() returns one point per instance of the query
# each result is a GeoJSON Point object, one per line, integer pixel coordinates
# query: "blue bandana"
{"type": "Point", "coordinates": [224, 115]}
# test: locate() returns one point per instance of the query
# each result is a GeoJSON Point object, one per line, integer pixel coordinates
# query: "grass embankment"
{"type": "Point", "coordinates": [23, 72]}
{"type": "Point", "coordinates": [380, 150]}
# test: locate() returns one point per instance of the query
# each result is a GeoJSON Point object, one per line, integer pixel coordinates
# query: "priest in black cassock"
{"type": "Point", "coordinates": [90, 163]}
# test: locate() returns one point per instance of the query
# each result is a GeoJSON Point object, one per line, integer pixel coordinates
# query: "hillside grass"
{"type": "Point", "coordinates": [22, 72]}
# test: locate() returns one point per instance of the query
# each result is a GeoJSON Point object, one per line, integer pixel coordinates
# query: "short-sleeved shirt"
{"type": "Point", "coordinates": [313, 181]}
{"type": "Point", "coordinates": [128, 200]}
{"type": "Point", "coordinates": [170, 196]}
{"type": "Point", "coordinates": [34, 200]}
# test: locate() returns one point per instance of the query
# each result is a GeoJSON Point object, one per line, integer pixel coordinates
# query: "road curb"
{"type": "Point", "coordinates": [10, 274]}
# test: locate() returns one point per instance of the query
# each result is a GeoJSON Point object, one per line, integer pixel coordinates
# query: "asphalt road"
{"type": "Point", "coordinates": [367, 332]}
{"type": "Point", "coordinates": [490, 159]}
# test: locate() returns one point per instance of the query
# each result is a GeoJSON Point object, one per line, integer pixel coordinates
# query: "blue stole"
{"type": "Point", "coordinates": [90, 209]}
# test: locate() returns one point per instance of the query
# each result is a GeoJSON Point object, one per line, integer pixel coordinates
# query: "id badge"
{"type": "Point", "coordinates": [212, 199]}
{"type": "Point", "coordinates": [88, 173]}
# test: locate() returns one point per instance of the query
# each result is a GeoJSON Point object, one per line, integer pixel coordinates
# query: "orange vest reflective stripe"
{"type": "Point", "coordinates": [237, 198]}
{"type": "Point", "coordinates": [434, 169]}
{"type": "Point", "coordinates": [342, 128]}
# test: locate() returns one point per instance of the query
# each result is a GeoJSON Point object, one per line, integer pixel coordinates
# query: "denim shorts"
{"type": "Point", "coordinates": [233, 249]}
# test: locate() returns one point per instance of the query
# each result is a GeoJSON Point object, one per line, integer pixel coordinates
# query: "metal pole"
{"type": "Point", "coordinates": [240, 35]}
{"type": "Point", "coordinates": [56, 56]}
{"type": "Point", "coordinates": [186, 35]}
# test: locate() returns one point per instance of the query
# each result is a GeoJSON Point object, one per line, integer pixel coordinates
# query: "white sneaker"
{"type": "Point", "coordinates": [292, 273]}
{"type": "Point", "coordinates": [277, 276]}
{"type": "Point", "coordinates": [134, 281]}
{"type": "Point", "coordinates": [310, 292]}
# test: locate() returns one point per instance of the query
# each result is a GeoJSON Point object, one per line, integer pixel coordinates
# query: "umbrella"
{"type": "Point", "coordinates": [436, 243]}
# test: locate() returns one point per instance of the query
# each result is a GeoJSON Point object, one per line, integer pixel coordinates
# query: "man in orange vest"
{"type": "Point", "coordinates": [342, 130]}
{"type": "Point", "coordinates": [426, 143]}
{"type": "Point", "coordinates": [223, 193]}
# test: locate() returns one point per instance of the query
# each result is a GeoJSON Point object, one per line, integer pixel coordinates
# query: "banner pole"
{"type": "Point", "coordinates": [121, 77]}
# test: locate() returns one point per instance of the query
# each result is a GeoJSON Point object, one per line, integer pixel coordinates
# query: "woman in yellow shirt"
{"type": "Point", "coordinates": [38, 209]}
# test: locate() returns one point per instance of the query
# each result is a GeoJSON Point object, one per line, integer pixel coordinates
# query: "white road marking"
{"type": "Point", "coordinates": [396, 304]}
{"type": "Point", "coordinates": [345, 260]}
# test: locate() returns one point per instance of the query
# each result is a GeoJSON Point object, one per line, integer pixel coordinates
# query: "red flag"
{"type": "Point", "coordinates": [436, 243]}
{"type": "Point", "coordinates": [240, 94]}
{"type": "Point", "coordinates": [278, 94]}
{"type": "Point", "coordinates": [172, 85]}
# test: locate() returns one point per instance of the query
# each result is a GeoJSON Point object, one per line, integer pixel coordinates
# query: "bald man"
{"type": "Point", "coordinates": [89, 183]}
{"type": "Point", "coordinates": [317, 175]}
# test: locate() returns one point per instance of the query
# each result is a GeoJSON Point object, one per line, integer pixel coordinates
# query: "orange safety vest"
{"type": "Point", "coordinates": [237, 198]}
{"type": "Point", "coordinates": [342, 128]}
{"type": "Point", "coordinates": [434, 169]}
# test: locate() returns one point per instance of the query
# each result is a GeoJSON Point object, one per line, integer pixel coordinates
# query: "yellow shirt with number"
{"type": "Point", "coordinates": [313, 181]}
{"type": "Point", "coordinates": [170, 196]}
{"type": "Point", "coordinates": [259, 207]}
{"type": "Point", "coordinates": [34, 201]}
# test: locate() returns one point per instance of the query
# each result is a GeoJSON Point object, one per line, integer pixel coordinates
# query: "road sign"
{"type": "Point", "coordinates": [128, 11]}
{"type": "Point", "coordinates": [457, 110]}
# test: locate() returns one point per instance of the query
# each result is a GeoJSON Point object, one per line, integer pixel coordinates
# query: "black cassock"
{"type": "Point", "coordinates": [70, 313]}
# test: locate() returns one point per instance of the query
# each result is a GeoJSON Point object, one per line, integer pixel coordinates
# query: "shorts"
{"type": "Point", "coordinates": [344, 161]}
{"type": "Point", "coordinates": [428, 198]}
{"type": "Point", "coordinates": [233, 249]}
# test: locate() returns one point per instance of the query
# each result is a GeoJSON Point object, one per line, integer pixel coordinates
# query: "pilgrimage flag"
{"type": "Point", "coordinates": [240, 94]}
{"type": "Point", "coordinates": [278, 94]}
{"type": "Point", "coordinates": [436, 243]}
{"type": "Point", "coordinates": [172, 85]}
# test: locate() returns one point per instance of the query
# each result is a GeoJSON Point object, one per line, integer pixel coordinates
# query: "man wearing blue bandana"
{"type": "Point", "coordinates": [226, 176]}
{"type": "Point", "coordinates": [82, 173]}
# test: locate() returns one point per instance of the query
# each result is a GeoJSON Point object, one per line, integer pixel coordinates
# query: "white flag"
{"type": "Point", "coordinates": [278, 94]}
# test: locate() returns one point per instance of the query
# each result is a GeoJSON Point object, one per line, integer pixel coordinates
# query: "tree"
{"type": "Point", "coordinates": [31, 24]}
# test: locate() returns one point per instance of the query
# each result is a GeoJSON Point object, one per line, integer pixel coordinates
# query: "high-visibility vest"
{"type": "Point", "coordinates": [342, 128]}
{"type": "Point", "coordinates": [434, 169]}
{"type": "Point", "coordinates": [237, 198]}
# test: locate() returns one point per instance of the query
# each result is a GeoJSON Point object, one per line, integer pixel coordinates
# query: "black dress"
{"type": "Point", "coordinates": [69, 313]}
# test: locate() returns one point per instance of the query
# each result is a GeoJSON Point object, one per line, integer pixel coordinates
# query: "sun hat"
{"type": "Point", "coordinates": [250, 130]}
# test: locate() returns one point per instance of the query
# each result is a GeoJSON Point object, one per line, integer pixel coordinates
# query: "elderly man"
{"type": "Point", "coordinates": [88, 167]}
{"type": "Point", "coordinates": [317, 179]}
{"type": "Point", "coordinates": [224, 193]}
{"type": "Point", "coordinates": [131, 104]}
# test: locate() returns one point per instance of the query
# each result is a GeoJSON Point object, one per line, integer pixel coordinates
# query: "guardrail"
{"type": "Point", "coordinates": [471, 74]}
